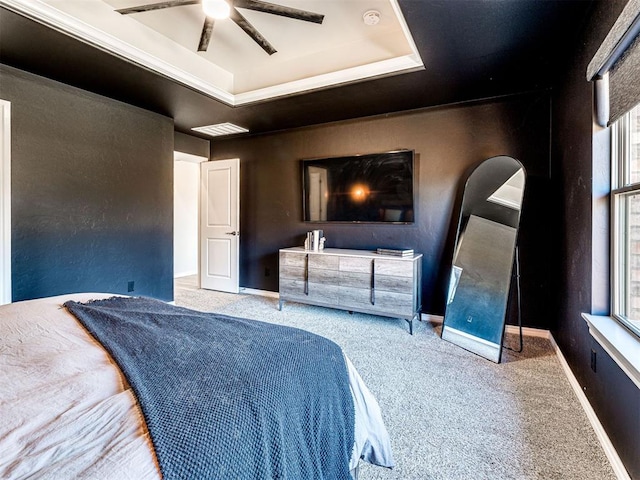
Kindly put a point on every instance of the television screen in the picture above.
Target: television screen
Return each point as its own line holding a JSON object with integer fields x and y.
{"x": 364, "y": 188}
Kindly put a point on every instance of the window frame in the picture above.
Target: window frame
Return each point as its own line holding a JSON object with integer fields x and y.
{"x": 621, "y": 190}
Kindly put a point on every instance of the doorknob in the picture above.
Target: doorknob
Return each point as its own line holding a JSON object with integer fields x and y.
{"x": 232, "y": 233}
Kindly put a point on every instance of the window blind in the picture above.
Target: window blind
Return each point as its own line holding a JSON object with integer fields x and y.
{"x": 619, "y": 56}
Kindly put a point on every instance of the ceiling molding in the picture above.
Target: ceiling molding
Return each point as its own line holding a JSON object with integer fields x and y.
{"x": 44, "y": 13}
{"x": 393, "y": 66}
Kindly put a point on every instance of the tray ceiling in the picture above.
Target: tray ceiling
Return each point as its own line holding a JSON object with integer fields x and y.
{"x": 234, "y": 69}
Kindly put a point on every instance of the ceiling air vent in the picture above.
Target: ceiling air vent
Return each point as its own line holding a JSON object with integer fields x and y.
{"x": 220, "y": 129}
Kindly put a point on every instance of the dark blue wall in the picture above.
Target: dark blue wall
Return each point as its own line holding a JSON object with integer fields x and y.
{"x": 448, "y": 142}
{"x": 92, "y": 190}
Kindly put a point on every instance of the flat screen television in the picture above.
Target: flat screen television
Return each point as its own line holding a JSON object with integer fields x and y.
{"x": 375, "y": 188}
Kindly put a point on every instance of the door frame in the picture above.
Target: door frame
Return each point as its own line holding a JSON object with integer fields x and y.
{"x": 5, "y": 203}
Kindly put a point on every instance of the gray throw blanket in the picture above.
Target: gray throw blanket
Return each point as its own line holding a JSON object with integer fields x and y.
{"x": 229, "y": 398}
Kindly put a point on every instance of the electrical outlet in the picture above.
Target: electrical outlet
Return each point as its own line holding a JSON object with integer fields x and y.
{"x": 593, "y": 360}
{"x": 131, "y": 286}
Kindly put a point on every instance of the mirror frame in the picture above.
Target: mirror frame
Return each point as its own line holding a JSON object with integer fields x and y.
{"x": 483, "y": 257}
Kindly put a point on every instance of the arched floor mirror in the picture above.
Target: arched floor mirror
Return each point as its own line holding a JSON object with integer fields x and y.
{"x": 484, "y": 256}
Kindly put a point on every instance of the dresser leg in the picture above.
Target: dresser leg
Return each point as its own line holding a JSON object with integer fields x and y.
{"x": 417, "y": 315}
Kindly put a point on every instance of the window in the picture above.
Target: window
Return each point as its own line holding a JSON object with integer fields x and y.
{"x": 626, "y": 219}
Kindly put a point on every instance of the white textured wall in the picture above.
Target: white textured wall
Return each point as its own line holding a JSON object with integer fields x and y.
{"x": 185, "y": 218}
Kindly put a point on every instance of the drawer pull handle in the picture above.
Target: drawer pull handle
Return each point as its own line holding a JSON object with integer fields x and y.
{"x": 373, "y": 282}
{"x": 306, "y": 274}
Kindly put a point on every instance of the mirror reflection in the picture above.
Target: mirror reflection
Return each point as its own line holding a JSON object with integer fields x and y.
{"x": 483, "y": 257}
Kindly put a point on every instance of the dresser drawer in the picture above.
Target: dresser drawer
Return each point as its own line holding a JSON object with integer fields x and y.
{"x": 396, "y": 268}
{"x": 355, "y": 280}
{"x": 356, "y": 298}
{"x": 356, "y": 264}
{"x": 390, "y": 283}
{"x": 317, "y": 275}
{"x": 293, "y": 259}
{"x": 397, "y": 304}
{"x": 294, "y": 273}
{"x": 292, "y": 288}
{"x": 325, "y": 262}
{"x": 323, "y": 293}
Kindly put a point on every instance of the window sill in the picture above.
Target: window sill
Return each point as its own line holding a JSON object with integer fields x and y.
{"x": 618, "y": 342}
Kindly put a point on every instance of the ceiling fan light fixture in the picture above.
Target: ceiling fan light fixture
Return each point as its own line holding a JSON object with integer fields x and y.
{"x": 217, "y": 9}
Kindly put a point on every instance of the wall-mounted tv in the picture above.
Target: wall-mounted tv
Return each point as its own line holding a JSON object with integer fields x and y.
{"x": 375, "y": 187}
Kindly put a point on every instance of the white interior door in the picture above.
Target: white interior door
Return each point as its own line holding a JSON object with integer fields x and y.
{"x": 220, "y": 225}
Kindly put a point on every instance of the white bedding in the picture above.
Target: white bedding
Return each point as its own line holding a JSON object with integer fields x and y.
{"x": 66, "y": 411}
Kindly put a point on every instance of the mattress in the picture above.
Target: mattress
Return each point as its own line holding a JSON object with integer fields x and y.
{"x": 67, "y": 411}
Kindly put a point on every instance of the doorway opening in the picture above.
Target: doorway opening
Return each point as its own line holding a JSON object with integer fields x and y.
{"x": 186, "y": 213}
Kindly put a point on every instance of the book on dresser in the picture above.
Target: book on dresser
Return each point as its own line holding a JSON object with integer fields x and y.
{"x": 398, "y": 252}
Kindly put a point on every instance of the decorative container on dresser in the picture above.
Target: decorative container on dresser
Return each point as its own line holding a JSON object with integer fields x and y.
{"x": 353, "y": 280}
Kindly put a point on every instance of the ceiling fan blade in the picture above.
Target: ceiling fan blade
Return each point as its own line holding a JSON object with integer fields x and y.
{"x": 157, "y": 6}
{"x": 283, "y": 11}
{"x": 249, "y": 29}
{"x": 205, "y": 36}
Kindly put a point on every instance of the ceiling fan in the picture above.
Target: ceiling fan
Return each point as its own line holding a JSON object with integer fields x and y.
{"x": 219, "y": 9}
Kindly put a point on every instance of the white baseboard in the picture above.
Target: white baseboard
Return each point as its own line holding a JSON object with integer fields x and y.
{"x": 429, "y": 317}
{"x": 184, "y": 274}
{"x": 603, "y": 438}
{"x": 526, "y": 331}
{"x": 262, "y": 293}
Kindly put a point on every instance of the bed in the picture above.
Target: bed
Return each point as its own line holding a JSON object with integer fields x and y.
{"x": 69, "y": 411}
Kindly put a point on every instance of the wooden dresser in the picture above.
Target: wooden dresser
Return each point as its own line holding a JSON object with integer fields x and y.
{"x": 353, "y": 280}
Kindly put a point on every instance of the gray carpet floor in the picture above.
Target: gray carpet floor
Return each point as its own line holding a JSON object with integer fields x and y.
{"x": 450, "y": 414}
